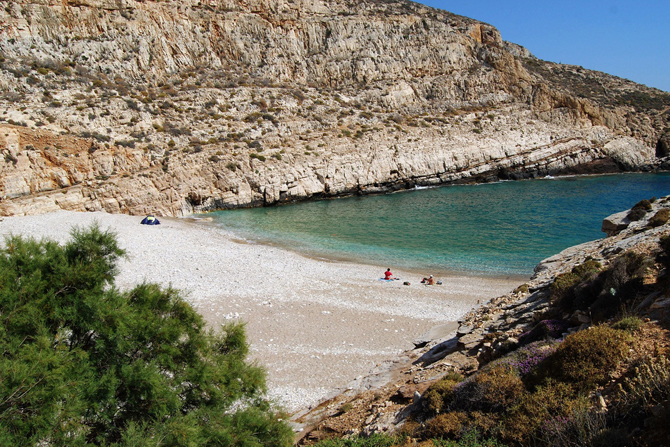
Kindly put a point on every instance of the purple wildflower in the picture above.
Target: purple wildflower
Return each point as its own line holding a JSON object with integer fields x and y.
{"x": 525, "y": 359}
{"x": 556, "y": 425}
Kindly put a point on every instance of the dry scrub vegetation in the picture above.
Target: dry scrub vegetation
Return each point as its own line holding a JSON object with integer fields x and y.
{"x": 608, "y": 385}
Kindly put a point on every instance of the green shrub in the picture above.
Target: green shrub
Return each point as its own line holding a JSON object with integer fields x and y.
{"x": 585, "y": 358}
{"x": 469, "y": 439}
{"x": 604, "y": 292}
{"x": 460, "y": 425}
{"x": 440, "y": 393}
{"x": 569, "y": 286}
{"x": 523, "y": 288}
{"x": 630, "y": 324}
{"x": 257, "y": 156}
{"x": 586, "y": 268}
{"x": 588, "y": 427}
{"x": 526, "y": 417}
{"x": 84, "y": 363}
{"x": 620, "y": 286}
{"x": 491, "y": 390}
{"x": 346, "y": 408}
{"x": 660, "y": 218}
{"x": 256, "y": 144}
{"x": 562, "y": 284}
{"x": 447, "y": 425}
{"x": 646, "y": 385}
{"x": 636, "y": 214}
{"x": 376, "y": 440}
{"x": 643, "y": 205}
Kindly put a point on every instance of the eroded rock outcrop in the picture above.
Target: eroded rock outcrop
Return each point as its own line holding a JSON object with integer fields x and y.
{"x": 181, "y": 107}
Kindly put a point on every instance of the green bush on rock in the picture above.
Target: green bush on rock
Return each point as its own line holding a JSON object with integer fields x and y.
{"x": 660, "y": 218}
{"x": 586, "y": 358}
{"x": 84, "y": 363}
{"x": 439, "y": 395}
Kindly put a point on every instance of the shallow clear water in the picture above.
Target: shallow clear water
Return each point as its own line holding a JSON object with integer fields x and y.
{"x": 500, "y": 228}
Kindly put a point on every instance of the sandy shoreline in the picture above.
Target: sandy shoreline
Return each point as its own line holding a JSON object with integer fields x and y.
{"x": 315, "y": 325}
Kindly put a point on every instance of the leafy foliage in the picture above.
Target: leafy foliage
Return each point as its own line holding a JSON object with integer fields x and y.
{"x": 492, "y": 390}
{"x": 643, "y": 204}
{"x": 586, "y": 358}
{"x": 533, "y": 412}
{"x": 605, "y": 292}
{"x": 631, "y": 324}
{"x": 563, "y": 287}
{"x": 524, "y": 359}
{"x": 660, "y": 218}
{"x": 440, "y": 394}
{"x": 376, "y": 440}
{"x": 84, "y": 363}
{"x": 542, "y": 393}
{"x": 636, "y": 214}
{"x": 470, "y": 439}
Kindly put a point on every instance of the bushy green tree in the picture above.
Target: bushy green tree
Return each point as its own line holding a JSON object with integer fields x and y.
{"x": 84, "y": 363}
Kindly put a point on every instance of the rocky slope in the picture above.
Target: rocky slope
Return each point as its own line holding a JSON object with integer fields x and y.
{"x": 395, "y": 392}
{"x": 178, "y": 107}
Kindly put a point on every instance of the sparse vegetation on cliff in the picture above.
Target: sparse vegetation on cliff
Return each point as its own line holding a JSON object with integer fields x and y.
{"x": 379, "y": 123}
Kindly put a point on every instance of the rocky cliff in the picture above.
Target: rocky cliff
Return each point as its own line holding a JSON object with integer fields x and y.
{"x": 179, "y": 107}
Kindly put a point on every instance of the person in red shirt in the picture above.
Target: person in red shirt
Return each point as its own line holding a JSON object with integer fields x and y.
{"x": 388, "y": 275}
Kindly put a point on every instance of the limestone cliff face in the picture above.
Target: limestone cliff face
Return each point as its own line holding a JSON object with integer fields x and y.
{"x": 177, "y": 107}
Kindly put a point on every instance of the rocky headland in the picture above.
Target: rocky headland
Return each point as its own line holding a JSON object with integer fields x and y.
{"x": 179, "y": 107}
{"x": 609, "y": 286}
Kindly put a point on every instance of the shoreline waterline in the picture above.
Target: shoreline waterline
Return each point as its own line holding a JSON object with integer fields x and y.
{"x": 496, "y": 229}
{"x": 314, "y": 325}
{"x": 414, "y": 272}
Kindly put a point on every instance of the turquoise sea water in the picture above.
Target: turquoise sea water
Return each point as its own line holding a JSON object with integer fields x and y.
{"x": 499, "y": 229}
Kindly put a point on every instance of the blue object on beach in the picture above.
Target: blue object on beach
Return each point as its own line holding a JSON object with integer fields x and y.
{"x": 150, "y": 220}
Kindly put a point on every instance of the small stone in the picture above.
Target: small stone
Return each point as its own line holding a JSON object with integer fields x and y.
{"x": 615, "y": 223}
{"x": 583, "y": 318}
{"x": 661, "y": 303}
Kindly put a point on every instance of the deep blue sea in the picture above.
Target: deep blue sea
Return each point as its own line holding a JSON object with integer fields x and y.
{"x": 491, "y": 229}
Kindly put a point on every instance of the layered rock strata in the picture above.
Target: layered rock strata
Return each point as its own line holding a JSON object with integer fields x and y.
{"x": 180, "y": 107}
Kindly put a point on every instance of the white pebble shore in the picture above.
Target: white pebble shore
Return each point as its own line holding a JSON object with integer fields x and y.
{"x": 313, "y": 324}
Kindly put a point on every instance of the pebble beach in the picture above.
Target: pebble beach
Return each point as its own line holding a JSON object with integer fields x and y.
{"x": 315, "y": 325}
